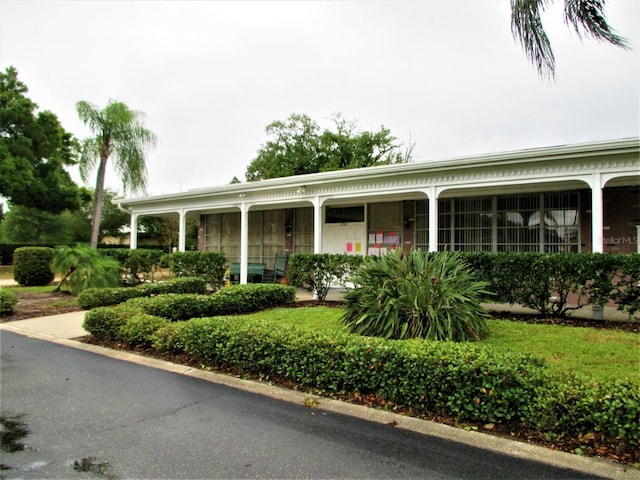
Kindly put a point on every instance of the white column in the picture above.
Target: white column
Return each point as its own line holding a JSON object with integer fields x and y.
{"x": 244, "y": 242}
{"x": 433, "y": 218}
{"x": 133, "y": 235}
{"x": 317, "y": 225}
{"x": 597, "y": 214}
{"x": 182, "y": 227}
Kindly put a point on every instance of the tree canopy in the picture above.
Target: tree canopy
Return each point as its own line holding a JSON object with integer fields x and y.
{"x": 298, "y": 146}
{"x": 34, "y": 149}
{"x": 587, "y": 17}
{"x": 119, "y": 133}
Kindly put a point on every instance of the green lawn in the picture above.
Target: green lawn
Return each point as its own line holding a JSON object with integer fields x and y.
{"x": 600, "y": 354}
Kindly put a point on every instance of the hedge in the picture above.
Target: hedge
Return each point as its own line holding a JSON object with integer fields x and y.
{"x": 544, "y": 281}
{"x": 208, "y": 265}
{"x": 100, "y": 297}
{"x": 230, "y": 300}
{"x": 467, "y": 381}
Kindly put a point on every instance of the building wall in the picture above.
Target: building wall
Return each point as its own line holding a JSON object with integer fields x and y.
{"x": 621, "y": 215}
{"x": 405, "y": 224}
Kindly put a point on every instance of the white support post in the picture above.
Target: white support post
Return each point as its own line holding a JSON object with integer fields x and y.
{"x": 597, "y": 214}
{"x": 244, "y": 242}
{"x": 133, "y": 235}
{"x": 432, "y": 195}
{"x": 182, "y": 227}
{"x": 317, "y": 225}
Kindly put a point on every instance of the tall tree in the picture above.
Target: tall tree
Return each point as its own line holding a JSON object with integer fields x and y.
{"x": 119, "y": 134}
{"x": 34, "y": 151}
{"x": 298, "y": 146}
{"x": 587, "y": 18}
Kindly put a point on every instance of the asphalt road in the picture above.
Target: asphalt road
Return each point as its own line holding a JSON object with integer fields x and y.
{"x": 114, "y": 419}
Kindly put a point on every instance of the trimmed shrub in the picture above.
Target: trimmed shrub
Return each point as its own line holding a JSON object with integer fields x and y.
{"x": 8, "y": 301}
{"x": 101, "y": 297}
{"x": 416, "y": 295}
{"x": 228, "y": 301}
{"x": 208, "y": 265}
{"x": 32, "y": 266}
{"x": 318, "y": 272}
{"x": 139, "y": 329}
{"x": 104, "y": 323}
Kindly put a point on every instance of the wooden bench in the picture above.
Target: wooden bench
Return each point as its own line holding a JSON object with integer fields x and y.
{"x": 255, "y": 272}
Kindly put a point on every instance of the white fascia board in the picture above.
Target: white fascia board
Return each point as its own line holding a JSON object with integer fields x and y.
{"x": 493, "y": 160}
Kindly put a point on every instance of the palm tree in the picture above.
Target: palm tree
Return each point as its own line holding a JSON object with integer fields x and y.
{"x": 587, "y": 18}
{"x": 119, "y": 133}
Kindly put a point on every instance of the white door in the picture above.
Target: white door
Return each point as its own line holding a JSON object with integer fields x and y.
{"x": 349, "y": 238}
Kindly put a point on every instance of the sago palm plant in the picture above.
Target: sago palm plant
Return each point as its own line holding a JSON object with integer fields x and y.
{"x": 82, "y": 267}
{"x": 416, "y": 295}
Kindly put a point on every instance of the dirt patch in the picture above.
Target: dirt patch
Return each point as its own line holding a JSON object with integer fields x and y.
{"x": 41, "y": 304}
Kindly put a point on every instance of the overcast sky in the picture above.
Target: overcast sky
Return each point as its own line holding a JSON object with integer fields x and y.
{"x": 210, "y": 76}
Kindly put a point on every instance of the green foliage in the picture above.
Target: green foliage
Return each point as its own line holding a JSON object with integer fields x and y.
{"x": 208, "y": 265}
{"x": 104, "y": 323}
{"x": 544, "y": 281}
{"x": 586, "y": 17}
{"x": 416, "y": 295}
{"x": 101, "y": 297}
{"x": 8, "y": 301}
{"x": 140, "y": 264}
{"x": 32, "y": 266}
{"x": 228, "y": 301}
{"x": 318, "y": 272}
{"x": 139, "y": 329}
{"x": 297, "y": 146}
{"x": 34, "y": 151}
{"x": 627, "y": 289}
{"x": 83, "y": 267}
{"x": 119, "y": 133}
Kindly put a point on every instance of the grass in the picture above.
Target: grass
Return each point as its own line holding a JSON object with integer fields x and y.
{"x": 601, "y": 355}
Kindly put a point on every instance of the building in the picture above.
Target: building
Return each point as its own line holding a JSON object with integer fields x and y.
{"x": 571, "y": 198}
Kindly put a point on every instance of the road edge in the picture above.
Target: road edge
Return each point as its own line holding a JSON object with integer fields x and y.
{"x": 500, "y": 445}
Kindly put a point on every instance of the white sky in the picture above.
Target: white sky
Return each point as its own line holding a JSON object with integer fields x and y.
{"x": 211, "y": 75}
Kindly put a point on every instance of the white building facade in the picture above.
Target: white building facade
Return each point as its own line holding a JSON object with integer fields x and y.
{"x": 572, "y": 198}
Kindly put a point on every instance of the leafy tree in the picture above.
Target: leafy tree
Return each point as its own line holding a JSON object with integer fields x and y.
{"x": 119, "y": 133}
{"x": 34, "y": 149}
{"x": 33, "y": 226}
{"x": 298, "y": 146}
{"x": 113, "y": 219}
{"x": 587, "y": 18}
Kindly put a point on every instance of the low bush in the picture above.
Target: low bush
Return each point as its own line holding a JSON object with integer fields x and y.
{"x": 105, "y": 323}
{"x": 139, "y": 329}
{"x": 416, "y": 295}
{"x": 32, "y": 266}
{"x": 101, "y": 297}
{"x": 8, "y": 301}
{"x": 318, "y": 272}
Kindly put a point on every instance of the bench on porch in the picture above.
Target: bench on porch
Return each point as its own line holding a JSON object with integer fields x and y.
{"x": 255, "y": 272}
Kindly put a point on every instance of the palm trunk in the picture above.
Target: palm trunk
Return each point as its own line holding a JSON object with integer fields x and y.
{"x": 97, "y": 201}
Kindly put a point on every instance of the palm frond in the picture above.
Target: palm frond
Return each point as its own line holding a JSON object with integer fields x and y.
{"x": 526, "y": 27}
{"x": 588, "y": 15}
